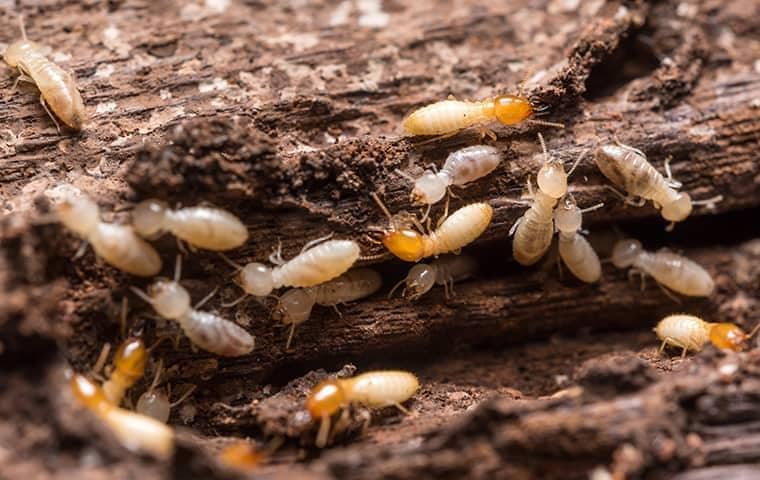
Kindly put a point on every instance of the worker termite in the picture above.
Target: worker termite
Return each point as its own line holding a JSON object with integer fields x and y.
{"x": 205, "y": 329}
{"x": 671, "y": 270}
{"x": 450, "y": 116}
{"x": 689, "y": 332}
{"x": 116, "y": 244}
{"x": 294, "y": 307}
{"x": 57, "y": 87}
{"x": 204, "y": 227}
{"x": 155, "y": 403}
{"x": 372, "y": 389}
{"x": 533, "y": 232}
{"x": 456, "y": 231}
{"x": 628, "y": 168}
{"x": 574, "y": 250}
{"x": 317, "y": 263}
{"x": 461, "y": 167}
{"x": 136, "y": 432}
{"x": 441, "y": 271}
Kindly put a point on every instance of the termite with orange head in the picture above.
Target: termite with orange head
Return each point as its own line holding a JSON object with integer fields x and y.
{"x": 205, "y": 329}
{"x": 242, "y": 456}
{"x": 136, "y": 432}
{"x": 294, "y": 306}
{"x": 574, "y": 250}
{"x": 204, "y": 227}
{"x": 128, "y": 367}
{"x": 689, "y": 332}
{"x": 378, "y": 389}
{"x": 628, "y": 168}
{"x": 116, "y": 244}
{"x": 444, "y": 270}
{"x": 57, "y": 87}
{"x": 456, "y": 231}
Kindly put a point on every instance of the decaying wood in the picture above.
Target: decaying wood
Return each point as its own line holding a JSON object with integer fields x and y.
{"x": 290, "y": 121}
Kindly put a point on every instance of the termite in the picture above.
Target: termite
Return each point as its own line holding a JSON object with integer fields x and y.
{"x": 242, "y": 456}
{"x": 456, "y": 231}
{"x": 372, "y": 389}
{"x": 449, "y": 116}
{"x": 628, "y": 168}
{"x": 155, "y": 403}
{"x": 671, "y": 270}
{"x": 574, "y": 250}
{"x": 689, "y": 332}
{"x": 461, "y": 167}
{"x": 116, "y": 244}
{"x": 128, "y": 367}
{"x": 204, "y": 227}
{"x": 136, "y": 432}
{"x": 444, "y": 270}
{"x": 294, "y": 307}
{"x": 317, "y": 263}
{"x": 533, "y": 232}
{"x": 205, "y": 329}
{"x": 57, "y": 87}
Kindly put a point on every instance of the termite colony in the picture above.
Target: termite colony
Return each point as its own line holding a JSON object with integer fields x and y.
{"x": 321, "y": 274}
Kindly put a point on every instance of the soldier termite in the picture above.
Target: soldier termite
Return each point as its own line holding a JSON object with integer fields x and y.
{"x": 628, "y": 168}
{"x": 533, "y": 232}
{"x": 128, "y": 367}
{"x": 203, "y": 227}
{"x": 205, "y": 329}
{"x": 689, "y": 332}
{"x": 155, "y": 403}
{"x": 295, "y": 305}
{"x": 317, "y": 263}
{"x": 116, "y": 244}
{"x": 456, "y": 231}
{"x": 136, "y": 432}
{"x": 242, "y": 456}
{"x": 441, "y": 271}
{"x": 372, "y": 389}
{"x": 57, "y": 87}
{"x": 671, "y": 270}
{"x": 574, "y": 250}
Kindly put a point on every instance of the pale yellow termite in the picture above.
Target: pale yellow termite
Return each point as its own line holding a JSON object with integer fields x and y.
{"x": 628, "y": 168}
{"x": 205, "y": 329}
{"x": 136, "y": 432}
{"x": 317, "y": 263}
{"x": 574, "y": 250}
{"x": 671, "y": 270}
{"x": 294, "y": 307}
{"x": 378, "y": 389}
{"x": 455, "y": 232}
{"x": 689, "y": 332}
{"x": 154, "y": 402}
{"x": 203, "y": 227}
{"x": 533, "y": 232}
{"x": 57, "y": 87}
{"x": 444, "y": 270}
{"x": 116, "y": 244}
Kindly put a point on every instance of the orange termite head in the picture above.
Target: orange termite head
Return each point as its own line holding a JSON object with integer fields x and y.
{"x": 89, "y": 393}
{"x": 130, "y": 358}
{"x": 728, "y": 336}
{"x": 242, "y": 456}
{"x": 512, "y": 109}
{"x": 325, "y": 399}
{"x": 401, "y": 240}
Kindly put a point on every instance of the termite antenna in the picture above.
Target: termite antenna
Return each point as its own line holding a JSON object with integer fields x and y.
{"x": 141, "y": 294}
{"x": 709, "y": 202}
{"x": 578, "y": 161}
{"x": 178, "y": 268}
{"x": 21, "y": 24}
{"x": 157, "y": 375}
{"x": 543, "y": 147}
{"x": 382, "y": 206}
{"x": 545, "y": 123}
{"x": 390, "y": 294}
{"x": 592, "y": 208}
{"x": 184, "y": 396}
{"x": 754, "y": 331}
{"x": 231, "y": 263}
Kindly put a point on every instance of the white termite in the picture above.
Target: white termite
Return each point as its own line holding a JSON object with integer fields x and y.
{"x": 574, "y": 249}
{"x": 204, "y": 227}
{"x": 671, "y": 270}
{"x": 294, "y": 307}
{"x": 155, "y": 403}
{"x": 444, "y": 270}
{"x": 628, "y": 168}
{"x": 116, "y": 244}
{"x": 207, "y": 330}
{"x": 57, "y": 87}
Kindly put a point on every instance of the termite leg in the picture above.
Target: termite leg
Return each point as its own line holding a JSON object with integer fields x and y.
{"x": 206, "y": 299}
{"x": 102, "y": 358}
{"x": 44, "y": 105}
{"x": 184, "y": 396}
{"x": 683, "y": 352}
{"x": 276, "y": 256}
{"x": 22, "y": 77}
{"x": 402, "y": 408}
{"x": 514, "y": 226}
{"x": 673, "y": 183}
{"x": 667, "y": 292}
{"x": 235, "y": 302}
{"x": 231, "y": 263}
{"x": 337, "y": 310}
{"x": 80, "y": 251}
{"x": 578, "y": 161}
{"x": 427, "y": 212}
{"x": 487, "y": 132}
{"x": 290, "y": 336}
{"x": 316, "y": 241}
{"x": 626, "y": 198}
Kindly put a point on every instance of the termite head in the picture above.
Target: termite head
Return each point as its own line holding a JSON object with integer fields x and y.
{"x": 294, "y": 306}
{"x": 325, "y": 399}
{"x": 130, "y": 358}
{"x": 567, "y": 216}
{"x": 679, "y": 209}
{"x": 148, "y": 218}
{"x": 241, "y": 456}
{"x": 419, "y": 281}
{"x": 18, "y": 50}
{"x": 155, "y": 404}
{"x": 625, "y": 252}
{"x": 512, "y": 109}
{"x": 551, "y": 178}
{"x": 428, "y": 189}
{"x": 256, "y": 279}
{"x": 89, "y": 393}
{"x": 169, "y": 298}
{"x": 399, "y": 238}
{"x": 728, "y": 336}
{"x": 79, "y": 214}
